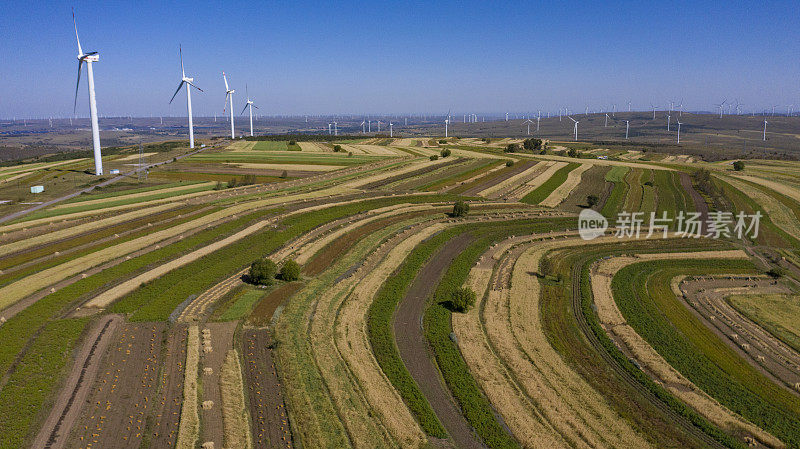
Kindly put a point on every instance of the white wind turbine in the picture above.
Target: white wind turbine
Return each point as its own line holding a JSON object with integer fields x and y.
{"x": 362, "y": 126}
{"x": 89, "y": 58}
{"x": 721, "y": 107}
{"x": 229, "y": 99}
{"x": 446, "y": 122}
{"x": 765, "y": 131}
{"x": 576, "y": 126}
{"x": 529, "y": 121}
{"x": 654, "y": 110}
{"x": 606, "y": 125}
{"x": 188, "y": 82}
{"x": 627, "y": 127}
{"x": 251, "y": 106}
{"x": 669, "y": 118}
{"x": 679, "y": 132}
{"x": 390, "y": 130}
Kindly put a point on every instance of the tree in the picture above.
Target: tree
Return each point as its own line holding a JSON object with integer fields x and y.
{"x": 460, "y": 209}
{"x": 509, "y": 163}
{"x": 592, "y": 200}
{"x": 446, "y": 152}
{"x": 292, "y": 142}
{"x": 337, "y": 148}
{"x": 572, "y": 152}
{"x": 512, "y": 148}
{"x": 434, "y": 157}
{"x": 532, "y": 144}
{"x": 262, "y": 272}
{"x": 738, "y": 165}
{"x": 290, "y": 271}
{"x": 462, "y": 299}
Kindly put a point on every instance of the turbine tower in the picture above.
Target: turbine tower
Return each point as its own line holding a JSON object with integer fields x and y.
{"x": 627, "y": 127}
{"x": 606, "y": 125}
{"x": 576, "y": 126}
{"x": 529, "y": 121}
{"x": 765, "y": 131}
{"x": 251, "y": 106}
{"x": 188, "y": 82}
{"x": 679, "y": 132}
{"x": 89, "y": 58}
{"x": 720, "y": 106}
{"x": 229, "y": 98}
{"x": 362, "y": 127}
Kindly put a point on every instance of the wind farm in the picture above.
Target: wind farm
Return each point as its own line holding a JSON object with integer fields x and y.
{"x": 604, "y": 258}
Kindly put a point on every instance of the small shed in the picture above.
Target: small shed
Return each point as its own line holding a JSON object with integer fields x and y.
{"x": 37, "y": 189}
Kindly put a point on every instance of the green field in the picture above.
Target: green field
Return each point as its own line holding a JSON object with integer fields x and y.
{"x": 544, "y": 190}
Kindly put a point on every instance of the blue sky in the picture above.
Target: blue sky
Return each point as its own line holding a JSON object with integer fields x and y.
{"x": 419, "y": 57}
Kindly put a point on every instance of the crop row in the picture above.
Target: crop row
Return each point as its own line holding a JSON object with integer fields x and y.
{"x": 645, "y": 298}
{"x": 458, "y": 177}
{"x": 617, "y": 176}
{"x": 543, "y": 191}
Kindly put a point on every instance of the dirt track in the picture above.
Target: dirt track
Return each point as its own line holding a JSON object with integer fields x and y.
{"x": 414, "y": 350}
{"x": 55, "y": 430}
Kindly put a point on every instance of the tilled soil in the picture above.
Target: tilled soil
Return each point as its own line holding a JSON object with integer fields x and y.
{"x": 54, "y": 432}
{"x": 165, "y": 417}
{"x": 114, "y": 416}
{"x": 211, "y": 418}
{"x": 413, "y": 346}
{"x": 269, "y": 420}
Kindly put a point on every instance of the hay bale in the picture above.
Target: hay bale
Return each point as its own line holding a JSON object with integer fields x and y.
{"x": 207, "y": 349}
{"x": 208, "y": 405}
{"x": 208, "y": 371}
{"x": 208, "y": 445}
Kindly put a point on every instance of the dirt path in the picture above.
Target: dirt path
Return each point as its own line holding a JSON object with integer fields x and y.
{"x": 414, "y": 350}
{"x": 269, "y": 420}
{"x": 62, "y": 416}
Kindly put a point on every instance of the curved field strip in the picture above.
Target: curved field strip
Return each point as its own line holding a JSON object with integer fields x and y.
{"x": 513, "y": 181}
{"x": 407, "y": 168}
{"x": 477, "y": 178}
{"x": 635, "y": 191}
{"x": 779, "y": 214}
{"x": 479, "y": 167}
{"x": 312, "y": 147}
{"x": 618, "y": 193}
{"x": 156, "y": 194}
{"x": 782, "y": 188}
{"x": 538, "y": 395}
{"x": 288, "y": 167}
{"x": 642, "y": 165}
{"x": 550, "y": 184}
{"x": 615, "y": 324}
{"x": 551, "y": 169}
{"x": 592, "y": 183}
{"x": 376, "y": 149}
{"x": 234, "y": 413}
{"x": 648, "y": 304}
{"x": 777, "y": 314}
{"x": 562, "y": 191}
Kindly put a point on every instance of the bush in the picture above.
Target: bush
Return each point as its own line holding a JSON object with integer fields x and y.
{"x": 509, "y": 163}
{"x": 460, "y": 209}
{"x": 462, "y": 299}
{"x": 532, "y": 144}
{"x": 446, "y": 152}
{"x": 572, "y": 152}
{"x": 292, "y": 142}
{"x": 350, "y": 154}
{"x": 442, "y": 140}
{"x": 738, "y": 165}
{"x": 337, "y": 148}
{"x": 592, "y": 200}
{"x": 435, "y": 157}
{"x": 219, "y": 186}
{"x": 285, "y": 174}
{"x": 290, "y": 271}
{"x": 262, "y": 272}
{"x": 512, "y": 148}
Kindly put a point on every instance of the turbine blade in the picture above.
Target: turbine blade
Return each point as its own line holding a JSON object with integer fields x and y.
{"x": 192, "y": 84}
{"x": 226, "y": 81}
{"x": 75, "y": 24}
{"x": 254, "y": 106}
{"x": 245, "y": 108}
{"x": 176, "y": 91}
{"x": 77, "y": 84}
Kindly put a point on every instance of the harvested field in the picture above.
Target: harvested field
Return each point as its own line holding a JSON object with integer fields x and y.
{"x": 236, "y": 421}
{"x": 54, "y": 432}
{"x": 561, "y": 192}
{"x": 220, "y": 341}
{"x": 288, "y": 167}
{"x": 124, "y": 393}
{"x": 492, "y": 178}
{"x": 165, "y": 417}
{"x": 512, "y": 182}
{"x": 189, "y": 428}
{"x": 593, "y": 182}
{"x": 777, "y": 313}
{"x": 270, "y": 425}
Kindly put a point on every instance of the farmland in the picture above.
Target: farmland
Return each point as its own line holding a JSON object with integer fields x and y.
{"x": 130, "y": 316}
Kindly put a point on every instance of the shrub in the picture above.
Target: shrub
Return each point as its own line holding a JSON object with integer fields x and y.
{"x": 219, "y": 186}
{"x": 462, "y": 299}
{"x": 572, "y": 152}
{"x": 592, "y": 200}
{"x": 285, "y": 174}
{"x": 442, "y": 141}
{"x": 738, "y": 165}
{"x": 262, "y": 272}
{"x": 350, "y": 154}
{"x": 337, "y": 148}
{"x": 290, "y": 271}
{"x": 509, "y": 163}
{"x": 434, "y": 157}
{"x": 532, "y": 144}
{"x": 512, "y": 148}
{"x": 460, "y": 209}
{"x": 292, "y": 142}
{"x": 446, "y": 152}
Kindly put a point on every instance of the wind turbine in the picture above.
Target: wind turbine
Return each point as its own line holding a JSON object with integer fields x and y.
{"x": 789, "y": 109}
{"x": 654, "y": 110}
{"x": 390, "y": 130}
{"x": 446, "y": 122}
{"x": 720, "y": 106}
{"x": 606, "y": 125}
{"x": 529, "y": 121}
{"x": 251, "y": 106}
{"x": 335, "y": 129}
{"x": 362, "y": 126}
{"x": 187, "y": 82}
{"x": 679, "y": 132}
{"x": 629, "y": 106}
{"x": 765, "y": 131}
{"x": 627, "y": 127}
{"x": 576, "y": 126}
{"x": 669, "y": 118}
{"x": 89, "y": 58}
{"x": 229, "y": 98}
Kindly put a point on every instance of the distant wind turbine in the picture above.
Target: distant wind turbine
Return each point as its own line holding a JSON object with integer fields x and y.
{"x": 765, "y": 131}
{"x": 576, "y": 126}
{"x": 529, "y": 121}
{"x": 654, "y": 110}
{"x": 229, "y": 99}
{"x": 187, "y": 82}
{"x": 627, "y": 127}
{"x": 88, "y": 58}
{"x": 679, "y": 132}
{"x": 606, "y": 125}
{"x": 249, "y": 104}
{"x": 391, "y": 134}
{"x": 721, "y": 107}
{"x": 668, "y": 120}
{"x": 362, "y": 126}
